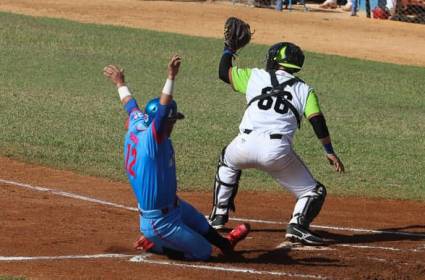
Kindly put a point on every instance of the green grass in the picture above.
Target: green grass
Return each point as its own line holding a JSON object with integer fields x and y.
{"x": 57, "y": 109}
{"x": 7, "y": 277}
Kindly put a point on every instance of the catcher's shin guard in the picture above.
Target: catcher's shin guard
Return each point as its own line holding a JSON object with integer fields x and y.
{"x": 224, "y": 193}
{"x": 308, "y": 206}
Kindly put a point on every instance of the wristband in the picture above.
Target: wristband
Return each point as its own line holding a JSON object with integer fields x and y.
{"x": 228, "y": 50}
{"x": 168, "y": 87}
{"x": 328, "y": 148}
{"x": 124, "y": 92}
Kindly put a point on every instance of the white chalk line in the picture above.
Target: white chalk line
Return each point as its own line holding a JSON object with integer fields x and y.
{"x": 380, "y": 248}
{"x": 98, "y": 201}
{"x": 143, "y": 259}
{"x": 97, "y": 256}
{"x": 300, "y": 247}
{"x": 411, "y": 234}
{"x": 67, "y": 194}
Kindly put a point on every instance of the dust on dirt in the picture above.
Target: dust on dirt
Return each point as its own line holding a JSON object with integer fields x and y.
{"x": 45, "y": 223}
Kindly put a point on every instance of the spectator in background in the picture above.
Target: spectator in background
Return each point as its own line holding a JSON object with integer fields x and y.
{"x": 333, "y": 4}
{"x": 348, "y": 6}
{"x": 329, "y": 4}
{"x": 280, "y": 3}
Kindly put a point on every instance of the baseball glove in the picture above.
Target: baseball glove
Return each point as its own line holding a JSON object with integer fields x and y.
{"x": 237, "y": 33}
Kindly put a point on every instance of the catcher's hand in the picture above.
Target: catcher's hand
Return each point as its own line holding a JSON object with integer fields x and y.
{"x": 237, "y": 33}
{"x": 336, "y": 162}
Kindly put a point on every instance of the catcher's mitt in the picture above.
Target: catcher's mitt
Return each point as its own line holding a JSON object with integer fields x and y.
{"x": 237, "y": 33}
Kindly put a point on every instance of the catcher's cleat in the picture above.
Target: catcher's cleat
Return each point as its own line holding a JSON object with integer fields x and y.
{"x": 219, "y": 221}
{"x": 143, "y": 244}
{"x": 238, "y": 234}
{"x": 297, "y": 233}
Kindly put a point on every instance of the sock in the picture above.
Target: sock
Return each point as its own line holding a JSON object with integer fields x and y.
{"x": 217, "y": 240}
{"x": 173, "y": 254}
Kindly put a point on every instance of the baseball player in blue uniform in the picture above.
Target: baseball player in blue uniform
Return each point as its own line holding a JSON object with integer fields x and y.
{"x": 170, "y": 225}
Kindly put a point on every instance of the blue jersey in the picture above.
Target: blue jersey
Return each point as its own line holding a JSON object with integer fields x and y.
{"x": 149, "y": 159}
{"x": 150, "y": 166}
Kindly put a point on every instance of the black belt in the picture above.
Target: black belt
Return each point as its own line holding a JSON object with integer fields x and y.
{"x": 164, "y": 210}
{"x": 272, "y": 136}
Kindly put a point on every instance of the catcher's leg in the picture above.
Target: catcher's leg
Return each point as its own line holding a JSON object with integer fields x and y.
{"x": 308, "y": 206}
{"x": 310, "y": 198}
{"x": 226, "y": 185}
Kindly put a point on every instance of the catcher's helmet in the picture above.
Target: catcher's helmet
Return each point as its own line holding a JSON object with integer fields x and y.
{"x": 286, "y": 55}
{"x": 152, "y": 107}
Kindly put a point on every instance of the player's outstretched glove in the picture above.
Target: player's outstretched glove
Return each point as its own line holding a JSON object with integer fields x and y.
{"x": 237, "y": 33}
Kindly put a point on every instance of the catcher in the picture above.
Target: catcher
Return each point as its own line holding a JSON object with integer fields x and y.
{"x": 276, "y": 102}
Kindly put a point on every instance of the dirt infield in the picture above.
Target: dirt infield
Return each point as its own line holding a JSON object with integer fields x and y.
{"x": 323, "y": 31}
{"x": 57, "y": 224}
{"x": 43, "y": 216}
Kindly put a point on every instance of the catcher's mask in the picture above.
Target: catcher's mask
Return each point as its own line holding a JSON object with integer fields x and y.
{"x": 286, "y": 55}
{"x": 152, "y": 107}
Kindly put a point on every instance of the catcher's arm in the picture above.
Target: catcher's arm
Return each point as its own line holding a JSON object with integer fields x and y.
{"x": 237, "y": 34}
{"x": 225, "y": 67}
{"x": 318, "y": 122}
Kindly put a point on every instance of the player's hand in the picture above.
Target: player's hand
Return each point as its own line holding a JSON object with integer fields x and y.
{"x": 173, "y": 66}
{"x": 336, "y": 162}
{"x": 115, "y": 74}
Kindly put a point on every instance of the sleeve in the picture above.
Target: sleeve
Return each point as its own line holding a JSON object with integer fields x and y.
{"x": 225, "y": 65}
{"x": 312, "y": 104}
{"x": 133, "y": 111}
{"x": 150, "y": 144}
{"x": 131, "y": 106}
{"x": 159, "y": 122}
{"x": 240, "y": 78}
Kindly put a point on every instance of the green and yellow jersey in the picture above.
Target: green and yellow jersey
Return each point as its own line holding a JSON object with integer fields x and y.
{"x": 270, "y": 114}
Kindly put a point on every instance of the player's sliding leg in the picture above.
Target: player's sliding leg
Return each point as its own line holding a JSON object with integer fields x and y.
{"x": 197, "y": 222}
{"x": 193, "y": 236}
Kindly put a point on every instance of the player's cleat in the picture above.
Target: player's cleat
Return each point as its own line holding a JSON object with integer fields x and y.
{"x": 297, "y": 233}
{"x": 143, "y": 244}
{"x": 219, "y": 221}
{"x": 238, "y": 234}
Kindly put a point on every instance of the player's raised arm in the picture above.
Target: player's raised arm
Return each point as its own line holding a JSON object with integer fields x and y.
{"x": 235, "y": 76}
{"x": 237, "y": 34}
{"x": 116, "y": 75}
{"x": 173, "y": 70}
{"x": 161, "y": 116}
{"x": 225, "y": 66}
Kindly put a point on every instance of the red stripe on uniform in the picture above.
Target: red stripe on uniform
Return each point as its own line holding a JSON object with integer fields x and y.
{"x": 158, "y": 138}
{"x": 134, "y": 138}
